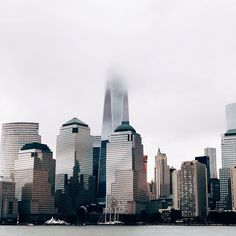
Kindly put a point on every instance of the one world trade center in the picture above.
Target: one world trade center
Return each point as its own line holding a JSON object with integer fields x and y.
{"x": 115, "y": 111}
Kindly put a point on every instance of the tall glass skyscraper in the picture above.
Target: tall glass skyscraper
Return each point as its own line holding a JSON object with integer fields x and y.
{"x": 228, "y": 149}
{"x": 74, "y": 152}
{"x": 14, "y": 137}
{"x": 126, "y": 190}
{"x": 115, "y": 111}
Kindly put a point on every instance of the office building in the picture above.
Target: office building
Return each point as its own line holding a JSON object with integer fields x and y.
{"x": 115, "y": 111}
{"x": 211, "y": 153}
{"x": 228, "y": 149}
{"x": 74, "y": 149}
{"x": 14, "y": 137}
{"x": 192, "y": 189}
{"x": 162, "y": 175}
{"x": 126, "y": 180}
{"x": 34, "y": 178}
{"x": 96, "y": 154}
{"x": 8, "y": 202}
{"x": 233, "y": 186}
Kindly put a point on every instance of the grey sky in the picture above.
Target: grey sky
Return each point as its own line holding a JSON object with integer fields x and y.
{"x": 178, "y": 57}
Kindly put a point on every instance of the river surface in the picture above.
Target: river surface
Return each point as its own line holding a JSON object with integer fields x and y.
{"x": 117, "y": 230}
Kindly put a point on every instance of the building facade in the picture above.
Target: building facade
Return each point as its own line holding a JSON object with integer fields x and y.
{"x": 34, "y": 178}
{"x": 162, "y": 175}
{"x": 211, "y": 153}
{"x": 14, "y": 137}
{"x": 192, "y": 189}
{"x": 126, "y": 190}
{"x": 115, "y": 111}
{"x": 228, "y": 150}
{"x": 8, "y": 202}
{"x": 74, "y": 150}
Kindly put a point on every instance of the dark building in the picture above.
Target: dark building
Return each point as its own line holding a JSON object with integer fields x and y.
{"x": 172, "y": 169}
{"x": 8, "y": 202}
{"x": 205, "y": 160}
{"x": 96, "y": 154}
{"x": 214, "y": 193}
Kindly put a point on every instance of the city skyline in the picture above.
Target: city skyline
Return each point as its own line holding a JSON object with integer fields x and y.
{"x": 171, "y": 57}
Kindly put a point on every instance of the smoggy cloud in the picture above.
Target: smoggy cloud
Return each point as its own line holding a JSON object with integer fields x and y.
{"x": 178, "y": 57}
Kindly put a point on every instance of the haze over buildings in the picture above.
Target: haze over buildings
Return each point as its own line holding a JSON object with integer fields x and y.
{"x": 172, "y": 53}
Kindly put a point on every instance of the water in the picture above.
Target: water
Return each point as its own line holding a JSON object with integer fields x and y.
{"x": 117, "y": 231}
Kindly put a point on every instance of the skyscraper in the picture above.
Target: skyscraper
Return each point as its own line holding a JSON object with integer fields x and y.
{"x": 115, "y": 111}
{"x": 96, "y": 155}
{"x": 228, "y": 149}
{"x": 34, "y": 177}
{"x": 126, "y": 182}
{"x": 233, "y": 186}
{"x": 192, "y": 189}
{"x": 74, "y": 151}
{"x": 211, "y": 153}
{"x": 162, "y": 175}
{"x": 14, "y": 137}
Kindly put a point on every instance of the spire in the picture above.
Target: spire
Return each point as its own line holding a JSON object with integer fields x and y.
{"x": 159, "y": 151}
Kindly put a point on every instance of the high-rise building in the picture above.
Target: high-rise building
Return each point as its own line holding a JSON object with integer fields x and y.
{"x": 192, "y": 189}
{"x": 34, "y": 177}
{"x": 8, "y": 202}
{"x": 14, "y": 137}
{"x": 162, "y": 175}
{"x": 205, "y": 160}
{"x": 233, "y": 186}
{"x": 211, "y": 153}
{"x": 115, "y": 111}
{"x": 175, "y": 193}
{"x": 126, "y": 190}
{"x": 96, "y": 155}
{"x": 74, "y": 150}
{"x": 228, "y": 149}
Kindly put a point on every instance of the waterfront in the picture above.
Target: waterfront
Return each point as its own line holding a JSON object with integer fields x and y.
{"x": 117, "y": 230}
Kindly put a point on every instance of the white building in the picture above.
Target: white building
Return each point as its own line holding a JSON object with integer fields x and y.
{"x": 162, "y": 175}
{"x": 228, "y": 149}
{"x": 74, "y": 149}
{"x": 125, "y": 175}
{"x": 192, "y": 189}
{"x": 14, "y": 137}
{"x": 211, "y": 153}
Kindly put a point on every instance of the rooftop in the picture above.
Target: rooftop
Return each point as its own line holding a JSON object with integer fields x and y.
{"x": 75, "y": 121}
{"x": 39, "y": 146}
{"x": 125, "y": 126}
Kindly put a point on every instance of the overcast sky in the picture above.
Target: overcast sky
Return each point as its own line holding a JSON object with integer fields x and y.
{"x": 178, "y": 57}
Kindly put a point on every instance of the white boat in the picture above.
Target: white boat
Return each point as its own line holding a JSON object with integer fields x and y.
{"x": 53, "y": 221}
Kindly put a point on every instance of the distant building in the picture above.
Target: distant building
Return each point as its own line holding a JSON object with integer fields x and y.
{"x": 214, "y": 197}
{"x": 34, "y": 177}
{"x": 228, "y": 149}
{"x": 233, "y": 186}
{"x": 162, "y": 175}
{"x": 126, "y": 190}
{"x": 192, "y": 188}
{"x": 96, "y": 155}
{"x": 14, "y": 137}
{"x": 8, "y": 202}
{"x": 175, "y": 190}
{"x": 172, "y": 170}
{"x": 211, "y": 153}
{"x": 74, "y": 148}
{"x": 115, "y": 111}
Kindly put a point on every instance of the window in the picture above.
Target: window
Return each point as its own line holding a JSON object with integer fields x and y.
{"x": 10, "y": 207}
{"x": 34, "y": 154}
{"x": 75, "y": 130}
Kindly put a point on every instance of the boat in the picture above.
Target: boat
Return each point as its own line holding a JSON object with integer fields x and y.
{"x": 53, "y": 221}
